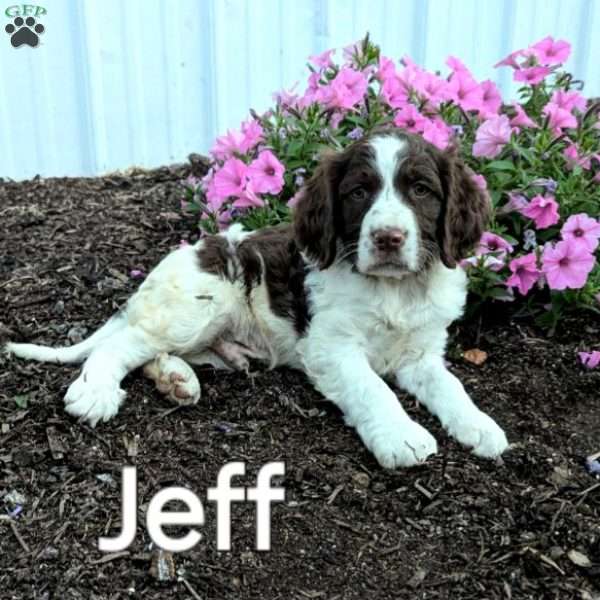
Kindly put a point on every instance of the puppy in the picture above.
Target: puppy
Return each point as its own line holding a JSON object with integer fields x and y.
{"x": 363, "y": 284}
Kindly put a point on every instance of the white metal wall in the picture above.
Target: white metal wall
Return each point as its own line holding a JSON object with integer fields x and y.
{"x": 145, "y": 82}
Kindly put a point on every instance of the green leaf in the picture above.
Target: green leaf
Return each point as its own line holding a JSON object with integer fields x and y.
{"x": 501, "y": 165}
{"x": 21, "y": 400}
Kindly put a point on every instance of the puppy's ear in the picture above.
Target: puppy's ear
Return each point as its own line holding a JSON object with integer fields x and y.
{"x": 466, "y": 212}
{"x": 314, "y": 215}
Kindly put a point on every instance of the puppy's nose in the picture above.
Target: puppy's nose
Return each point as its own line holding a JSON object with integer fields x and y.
{"x": 388, "y": 240}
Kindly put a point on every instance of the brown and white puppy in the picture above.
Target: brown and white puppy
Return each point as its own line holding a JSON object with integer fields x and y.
{"x": 362, "y": 285}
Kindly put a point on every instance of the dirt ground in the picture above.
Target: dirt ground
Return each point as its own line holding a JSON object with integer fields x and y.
{"x": 456, "y": 528}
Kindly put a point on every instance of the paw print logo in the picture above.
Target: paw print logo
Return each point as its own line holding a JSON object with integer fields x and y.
{"x": 24, "y": 32}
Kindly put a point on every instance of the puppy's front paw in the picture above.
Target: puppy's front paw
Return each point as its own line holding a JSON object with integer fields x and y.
{"x": 175, "y": 378}
{"x": 480, "y": 432}
{"x": 399, "y": 443}
{"x": 93, "y": 401}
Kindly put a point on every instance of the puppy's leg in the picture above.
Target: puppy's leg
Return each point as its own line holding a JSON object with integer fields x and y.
{"x": 444, "y": 396}
{"x": 343, "y": 374}
{"x": 174, "y": 377}
{"x": 96, "y": 394}
{"x": 69, "y": 354}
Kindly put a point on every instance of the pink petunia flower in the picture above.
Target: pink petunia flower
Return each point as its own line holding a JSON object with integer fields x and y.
{"x": 230, "y": 179}
{"x": 549, "y": 52}
{"x": 253, "y": 134}
{"x": 543, "y": 210}
{"x": 336, "y": 118}
{"x": 286, "y": 98}
{"x": 436, "y": 132}
{"x": 490, "y": 242}
{"x": 479, "y": 181}
{"x": 433, "y": 89}
{"x": 567, "y": 265}
{"x": 409, "y": 118}
{"x": 525, "y": 273}
{"x": 521, "y": 119}
{"x": 213, "y": 198}
{"x": 516, "y": 203}
{"x": 394, "y": 93}
{"x": 310, "y": 94}
{"x": 510, "y": 60}
{"x": 323, "y": 60}
{"x": 569, "y": 100}
{"x": 347, "y": 88}
{"x": 386, "y": 70}
{"x": 465, "y": 91}
{"x": 457, "y": 65}
{"x": 249, "y": 198}
{"x": 266, "y": 173}
{"x": 590, "y": 359}
{"x": 559, "y": 118}
{"x": 492, "y": 135}
{"x": 532, "y": 75}
{"x": 226, "y": 145}
{"x": 583, "y": 230}
{"x": 571, "y": 153}
{"x": 491, "y": 100}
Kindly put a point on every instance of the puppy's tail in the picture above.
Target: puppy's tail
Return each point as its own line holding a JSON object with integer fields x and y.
{"x": 68, "y": 354}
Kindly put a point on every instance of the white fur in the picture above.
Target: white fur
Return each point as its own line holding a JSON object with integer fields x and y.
{"x": 388, "y": 211}
{"x": 362, "y": 328}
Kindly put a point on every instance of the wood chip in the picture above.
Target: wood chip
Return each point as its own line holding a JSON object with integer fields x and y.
{"x": 361, "y": 479}
{"x": 191, "y": 590}
{"x": 417, "y": 579}
{"x": 429, "y": 495}
{"x": 110, "y": 557}
{"x": 579, "y": 559}
{"x": 475, "y": 356}
{"x": 335, "y": 493}
{"x": 57, "y": 448}
{"x": 163, "y": 565}
{"x": 18, "y": 536}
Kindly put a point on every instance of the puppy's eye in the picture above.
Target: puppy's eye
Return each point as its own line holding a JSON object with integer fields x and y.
{"x": 421, "y": 190}
{"x": 358, "y": 194}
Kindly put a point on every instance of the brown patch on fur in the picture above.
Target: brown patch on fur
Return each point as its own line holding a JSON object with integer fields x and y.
{"x": 325, "y": 215}
{"x": 216, "y": 257}
{"x": 268, "y": 255}
{"x": 467, "y": 212}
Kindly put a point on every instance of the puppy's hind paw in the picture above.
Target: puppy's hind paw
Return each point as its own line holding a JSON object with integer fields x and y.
{"x": 174, "y": 378}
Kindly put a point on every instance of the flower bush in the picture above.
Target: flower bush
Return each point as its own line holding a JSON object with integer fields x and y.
{"x": 538, "y": 158}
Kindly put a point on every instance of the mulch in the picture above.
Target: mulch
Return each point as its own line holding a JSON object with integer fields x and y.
{"x": 526, "y": 526}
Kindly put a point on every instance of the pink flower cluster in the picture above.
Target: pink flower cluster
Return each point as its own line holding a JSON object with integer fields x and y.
{"x": 237, "y": 179}
{"x": 564, "y": 264}
{"x": 533, "y": 65}
{"x": 416, "y": 95}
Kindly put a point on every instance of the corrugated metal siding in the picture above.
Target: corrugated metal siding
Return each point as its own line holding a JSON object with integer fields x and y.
{"x": 145, "y": 82}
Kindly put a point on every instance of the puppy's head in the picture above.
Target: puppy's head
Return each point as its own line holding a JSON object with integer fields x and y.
{"x": 391, "y": 204}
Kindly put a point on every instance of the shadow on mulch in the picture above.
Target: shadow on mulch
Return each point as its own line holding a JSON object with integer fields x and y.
{"x": 458, "y": 527}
